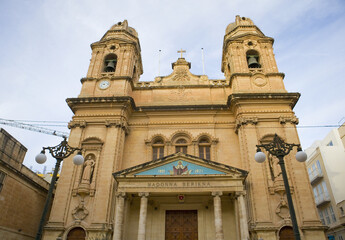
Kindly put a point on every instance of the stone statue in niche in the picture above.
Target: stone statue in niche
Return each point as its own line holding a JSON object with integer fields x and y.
{"x": 275, "y": 170}
{"x": 88, "y": 170}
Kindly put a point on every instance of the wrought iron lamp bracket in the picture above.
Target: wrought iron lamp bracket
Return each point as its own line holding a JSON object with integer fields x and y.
{"x": 278, "y": 147}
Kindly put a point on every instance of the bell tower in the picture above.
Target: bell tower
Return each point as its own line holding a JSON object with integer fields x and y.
{"x": 115, "y": 63}
{"x": 248, "y": 60}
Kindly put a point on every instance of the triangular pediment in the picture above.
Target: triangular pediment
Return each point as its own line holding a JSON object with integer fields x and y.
{"x": 181, "y": 165}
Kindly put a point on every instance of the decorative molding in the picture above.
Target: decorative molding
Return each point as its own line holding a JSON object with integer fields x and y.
{"x": 217, "y": 194}
{"x": 235, "y": 98}
{"x": 76, "y": 123}
{"x": 143, "y": 194}
{"x": 244, "y": 121}
{"x": 181, "y": 75}
{"x": 282, "y": 210}
{"x": 80, "y": 212}
{"x": 181, "y": 133}
{"x": 291, "y": 119}
{"x": 118, "y": 123}
{"x": 120, "y": 194}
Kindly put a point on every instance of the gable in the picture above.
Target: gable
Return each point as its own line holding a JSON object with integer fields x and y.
{"x": 180, "y": 167}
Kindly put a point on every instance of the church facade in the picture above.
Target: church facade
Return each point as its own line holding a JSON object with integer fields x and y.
{"x": 174, "y": 158}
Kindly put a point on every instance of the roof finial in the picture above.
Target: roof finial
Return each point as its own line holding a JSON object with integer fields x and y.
{"x": 181, "y": 51}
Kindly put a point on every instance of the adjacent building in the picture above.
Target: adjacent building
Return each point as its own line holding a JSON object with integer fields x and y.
{"x": 173, "y": 158}
{"x": 326, "y": 169}
{"x": 22, "y": 192}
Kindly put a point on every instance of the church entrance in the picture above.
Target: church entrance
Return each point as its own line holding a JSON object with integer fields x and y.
{"x": 286, "y": 233}
{"x": 181, "y": 225}
{"x": 76, "y": 234}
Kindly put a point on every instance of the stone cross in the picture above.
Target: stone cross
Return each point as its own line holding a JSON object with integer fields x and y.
{"x": 181, "y": 51}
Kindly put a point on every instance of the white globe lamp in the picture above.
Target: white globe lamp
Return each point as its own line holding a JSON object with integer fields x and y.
{"x": 78, "y": 159}
{"x": 41, "y": 158}
{"x": 260, "y": 157}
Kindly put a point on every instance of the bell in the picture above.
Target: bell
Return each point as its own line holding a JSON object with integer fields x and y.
{"x": 110, "y": 66}
{"x": 252, "y": 62}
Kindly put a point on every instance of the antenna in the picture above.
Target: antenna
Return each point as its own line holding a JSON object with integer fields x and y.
{"x": 159, "y": 63}
{"x": 202, "y": 59}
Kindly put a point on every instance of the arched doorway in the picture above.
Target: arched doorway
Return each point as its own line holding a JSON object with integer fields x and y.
{"x": 286, "y": 233}
{"x": 76, "y": 234}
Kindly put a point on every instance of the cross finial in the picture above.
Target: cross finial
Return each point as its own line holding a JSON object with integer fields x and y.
{"x": 181, "y": 51}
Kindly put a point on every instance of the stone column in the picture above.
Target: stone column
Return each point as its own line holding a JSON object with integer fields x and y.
{"x": 142, "y": 216}
{"x": 218, "y": 215}
{"x": 118, "y": 223}
{"x": 243, "y": 216}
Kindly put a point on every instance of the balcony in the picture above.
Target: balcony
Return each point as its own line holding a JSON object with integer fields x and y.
{"x": 315, "y": 176}
{"x": 322, "y": 199}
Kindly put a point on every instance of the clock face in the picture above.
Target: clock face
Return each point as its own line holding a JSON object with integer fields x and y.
{"x": 104, "y": 85}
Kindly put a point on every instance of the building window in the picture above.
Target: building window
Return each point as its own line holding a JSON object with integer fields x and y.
{"x": 157, "y": 149}
{"x": 325, "y": 190}
{"x": 318, "y": 165}
{"x": 325, "y": 212}
{"x": 342, "y": 211}
{"x": 332, "y": 214}
{"x": 205, "y": 149}
{"x": 322, "y": 218}
{"x": 2, "y": 177}
{"x": 110, "y": 62}
{"x": 253, "y": 59}
{"x": 330, "y": 144}
{"x": 181, "y": 145}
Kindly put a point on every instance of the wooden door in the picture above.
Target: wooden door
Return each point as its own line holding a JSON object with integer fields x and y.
{"x": 76, "y": 234}
{"x": 286, "y": 233}
{"x": 181, "y": 225}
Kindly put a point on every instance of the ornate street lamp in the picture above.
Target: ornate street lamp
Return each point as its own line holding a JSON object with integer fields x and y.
{"x": 59, "y": 152}
{"x": 279, "y": 149}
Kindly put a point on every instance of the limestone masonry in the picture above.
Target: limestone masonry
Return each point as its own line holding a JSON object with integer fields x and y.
{"x": 174, "y": 158}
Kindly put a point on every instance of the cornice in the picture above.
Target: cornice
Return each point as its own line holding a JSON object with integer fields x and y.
{"x": 105, "y": 76}
{"x": 72, "y": 102}
{"x": 183, "y": 107}
{"x": 213, "y": 84}
{"x": 249, "y": 74}
{"x": 236, "y": 97}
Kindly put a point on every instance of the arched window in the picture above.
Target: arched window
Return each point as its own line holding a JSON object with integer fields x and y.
{"x": 181, "y": 145}
{"x": 110, "y": 62}
{"x": 157, "y": 149}
{"x": 76, "y": 234}
{"x": 205, "y": 148}
{"x": 253, "y": 59}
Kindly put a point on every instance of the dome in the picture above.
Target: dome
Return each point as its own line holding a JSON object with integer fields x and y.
{"x": 239, "y": 21}
{"x": 124, "y": 26}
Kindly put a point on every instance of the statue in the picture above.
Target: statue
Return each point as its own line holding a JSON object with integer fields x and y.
{"x": 88, "y": 170}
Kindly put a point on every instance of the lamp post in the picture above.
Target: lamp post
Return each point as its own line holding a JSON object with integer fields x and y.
{"x": 279, "y": 149}
{"x": 59, "y": 152}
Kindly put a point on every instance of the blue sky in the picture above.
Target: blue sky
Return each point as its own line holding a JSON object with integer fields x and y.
{"x": 45, "y": 50}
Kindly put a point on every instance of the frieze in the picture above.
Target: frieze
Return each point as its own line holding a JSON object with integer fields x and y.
{"x": 178, "y": 184}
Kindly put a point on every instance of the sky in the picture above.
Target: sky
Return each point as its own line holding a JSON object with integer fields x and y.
{"x": 45, "y": 51}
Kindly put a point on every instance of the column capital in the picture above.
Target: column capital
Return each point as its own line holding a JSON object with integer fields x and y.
{"x": 218, "y": 193}
{"x": 120, "y": 194}
{"x": 143, "y": 194}
{"x": 241, "y": 193}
